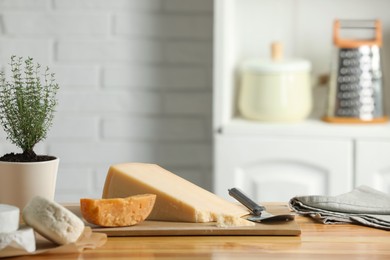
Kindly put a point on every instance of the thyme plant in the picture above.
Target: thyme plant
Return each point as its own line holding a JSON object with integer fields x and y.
{"x": 27, "y": 104}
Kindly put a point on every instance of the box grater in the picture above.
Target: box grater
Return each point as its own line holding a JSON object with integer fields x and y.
{"x": 356, "y": 82}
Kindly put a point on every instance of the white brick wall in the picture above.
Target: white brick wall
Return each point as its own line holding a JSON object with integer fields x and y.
{"x": 135, "y": 80}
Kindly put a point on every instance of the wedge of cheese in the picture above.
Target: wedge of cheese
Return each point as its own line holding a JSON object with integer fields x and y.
{"x": 118, "y": 212}
{"x": 177, "y": 199}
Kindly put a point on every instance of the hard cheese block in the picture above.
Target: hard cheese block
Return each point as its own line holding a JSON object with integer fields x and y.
{"x": 177, "y": 199}
{"x": 118, "y": 212}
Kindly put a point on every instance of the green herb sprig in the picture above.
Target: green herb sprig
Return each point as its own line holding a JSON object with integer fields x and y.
{"x": 27, "y": 104}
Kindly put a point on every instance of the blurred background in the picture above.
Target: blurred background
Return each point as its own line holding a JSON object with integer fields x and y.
{"x": 135, "y": 84}
{"x": 260, "y": 145}
{"x": 156, "y": 81}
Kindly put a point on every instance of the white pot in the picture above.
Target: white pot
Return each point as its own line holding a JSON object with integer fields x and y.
{"x": 275, "y": 90}
{"x": 21, "y": 181}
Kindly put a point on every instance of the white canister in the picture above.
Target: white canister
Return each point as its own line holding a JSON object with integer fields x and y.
{"x": 275, "y": 90}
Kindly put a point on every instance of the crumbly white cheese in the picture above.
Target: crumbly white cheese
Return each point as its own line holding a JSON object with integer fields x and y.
{"x": 233, "y": 221}
{"x": 23, "y": 238}
{"x": 9, "y": 218}
{"x": 53, "y": 221}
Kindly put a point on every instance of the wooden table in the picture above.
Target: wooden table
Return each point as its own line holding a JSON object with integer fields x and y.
{"x": 317, "y": 241}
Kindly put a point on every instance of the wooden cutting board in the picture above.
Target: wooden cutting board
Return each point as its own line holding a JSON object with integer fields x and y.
{"x": 165, "y": 228}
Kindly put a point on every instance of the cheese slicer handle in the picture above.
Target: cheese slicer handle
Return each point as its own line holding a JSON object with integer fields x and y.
{"x": 255, "y": 208}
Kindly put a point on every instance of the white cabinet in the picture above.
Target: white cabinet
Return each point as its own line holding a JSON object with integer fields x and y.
{"x": 373, "y": 164}
{"x": 273, "y": 162}
{"x": 277, "y": 168}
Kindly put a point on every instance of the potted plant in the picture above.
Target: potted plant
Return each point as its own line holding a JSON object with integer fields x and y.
{"x": 27, "y": 106}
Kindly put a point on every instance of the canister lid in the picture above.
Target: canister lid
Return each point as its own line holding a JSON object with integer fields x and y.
{"x": 277, "y": 63}
{"x": 272, "y": 66}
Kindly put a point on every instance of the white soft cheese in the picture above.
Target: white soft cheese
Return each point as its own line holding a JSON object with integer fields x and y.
{"x": 9, "y": 218}
{"x": 53, "y": 221}
{"x": 23, "y": 238}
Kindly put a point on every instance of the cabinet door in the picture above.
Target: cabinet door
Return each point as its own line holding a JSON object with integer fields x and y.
{"x": 373, "y": 164}
{"x": 276, "y": 169}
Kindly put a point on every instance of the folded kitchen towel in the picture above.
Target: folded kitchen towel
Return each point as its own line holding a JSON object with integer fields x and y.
{"x": 363, "y": 205}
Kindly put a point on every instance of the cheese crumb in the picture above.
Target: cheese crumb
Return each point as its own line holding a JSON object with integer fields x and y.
{"x": 225, "y": 221}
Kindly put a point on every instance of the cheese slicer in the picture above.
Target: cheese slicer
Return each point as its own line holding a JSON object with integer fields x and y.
{"x": 259, "y": 212}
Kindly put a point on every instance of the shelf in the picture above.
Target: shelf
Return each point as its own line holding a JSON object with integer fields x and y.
{"x": 246, "y": 28}
{"x": 307, "y": 128}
